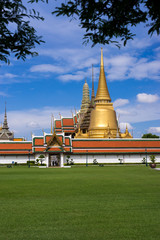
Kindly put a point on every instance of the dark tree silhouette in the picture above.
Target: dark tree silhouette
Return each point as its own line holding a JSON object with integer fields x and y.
{"x": 105, "y": 20}
{"x": 149, "y": 135}
{"x": 16, "y": 34}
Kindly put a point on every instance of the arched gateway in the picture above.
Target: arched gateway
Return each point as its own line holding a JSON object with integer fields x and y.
{"x": 55, "y": 151}
{"x": 54, "y": 160}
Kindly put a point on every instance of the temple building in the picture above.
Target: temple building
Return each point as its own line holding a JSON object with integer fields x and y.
{"x": 5, "y": 134}
{"x": 92, "y": 133}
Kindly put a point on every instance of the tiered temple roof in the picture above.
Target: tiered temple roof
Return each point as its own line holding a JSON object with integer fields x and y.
{"x": 5, "y": 134}
{"x": 59, "y": 143}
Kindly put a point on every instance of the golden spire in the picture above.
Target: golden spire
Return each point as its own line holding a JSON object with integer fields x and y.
{"x": 92, "y": 96}
{"x": 126, "y": 129}
{"x": 51, "y": 124}
{"x": 102, "y": 91}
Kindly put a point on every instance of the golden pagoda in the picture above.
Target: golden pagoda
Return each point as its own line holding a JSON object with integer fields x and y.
{"x": 85, "y": 98}
{"x": 85, "y": 121}
{"x": 102, "y": 116}
{"x": 103, "y": 123}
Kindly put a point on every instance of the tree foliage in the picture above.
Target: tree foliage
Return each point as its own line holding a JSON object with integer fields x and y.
{"x": 16, "y": 34}
{"x": 149, "y": 135}
{"x": 105, "y": 20}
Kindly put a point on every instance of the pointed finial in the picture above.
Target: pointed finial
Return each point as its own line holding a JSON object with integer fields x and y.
{"x": 5, "y": 109}
{"x": 102, "y": 91}
{"x": 126, "y": 129}
{"x": 85, "y": 80}
{"x": 72, "y": 114}
{"x": 92, "y": 79}
{"x": 102, "y": 57}
{"x": 5, "y": 123}
{"x": 53, "y": 128}
{"x": 51, "y": 125}
{"x": 54, "y": 131}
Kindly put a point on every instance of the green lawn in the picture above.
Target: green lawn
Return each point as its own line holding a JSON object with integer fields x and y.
{"x": 88, "y": 203}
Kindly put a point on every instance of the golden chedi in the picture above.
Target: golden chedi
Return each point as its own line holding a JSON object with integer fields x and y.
{"x": 85, "y": 99}
{"x": 103, "y": 122}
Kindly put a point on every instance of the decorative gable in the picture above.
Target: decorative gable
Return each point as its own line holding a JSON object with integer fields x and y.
{"x": 54, "y": 142}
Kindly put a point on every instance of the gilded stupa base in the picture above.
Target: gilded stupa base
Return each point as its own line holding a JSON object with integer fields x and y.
{"x": 102, "y": 133}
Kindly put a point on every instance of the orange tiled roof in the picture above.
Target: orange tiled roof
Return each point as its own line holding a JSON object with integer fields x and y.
{"x": 67, "y": 149}
{"x": 15, "y": 146}
{"x": 68, "y": 130}
{"x": 123, "y": 150}
{"x": 55, "y": 149}
{"x": 38, "y": 141}
{"x": 114, "y": 144}
{"x": 67, "y": 122}
{"x": 58, "y": 123}
{"x": 39, "y": 149}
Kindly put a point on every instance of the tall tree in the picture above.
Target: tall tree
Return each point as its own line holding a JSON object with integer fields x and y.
{"x": 16, "y": 34}
{"x": 105, "y": 20}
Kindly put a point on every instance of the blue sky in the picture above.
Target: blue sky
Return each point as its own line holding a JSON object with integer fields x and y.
{"x": 52, "y": 82}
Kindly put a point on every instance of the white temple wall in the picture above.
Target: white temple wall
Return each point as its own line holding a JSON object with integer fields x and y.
{"x": 81, "y": 158}
{"x": 110, "y": 158}
{"x": 9, "y": 159}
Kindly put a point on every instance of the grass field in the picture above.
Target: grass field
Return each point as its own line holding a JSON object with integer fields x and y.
{"x": 88, "y": 203}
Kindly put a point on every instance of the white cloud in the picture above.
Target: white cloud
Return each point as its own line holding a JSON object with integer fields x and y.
{"x": 47, "y": 68}
{"x": 154, "y": 130}
{"x": 72, "y": 64}
{"x": 33, "y": 125}
{"x": 120, "y": 102}
{"x": 146, "y": 69}
{"x": 124, "y": 66}
{"x": 34, "y": 120}
{"x": 9, "y": 78}
{"x": 147, "y": 98}
{"x": 4, "y": 94}
{"x": 73, "y": 57}
{"x": 9, "y": 75}
{"x": 140, "y": 43}
{"x": 118, "y": 67}
{"x": 122, "y": 112}
{"x": 78, "y": 76}
{"x": 140, "y": 112}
